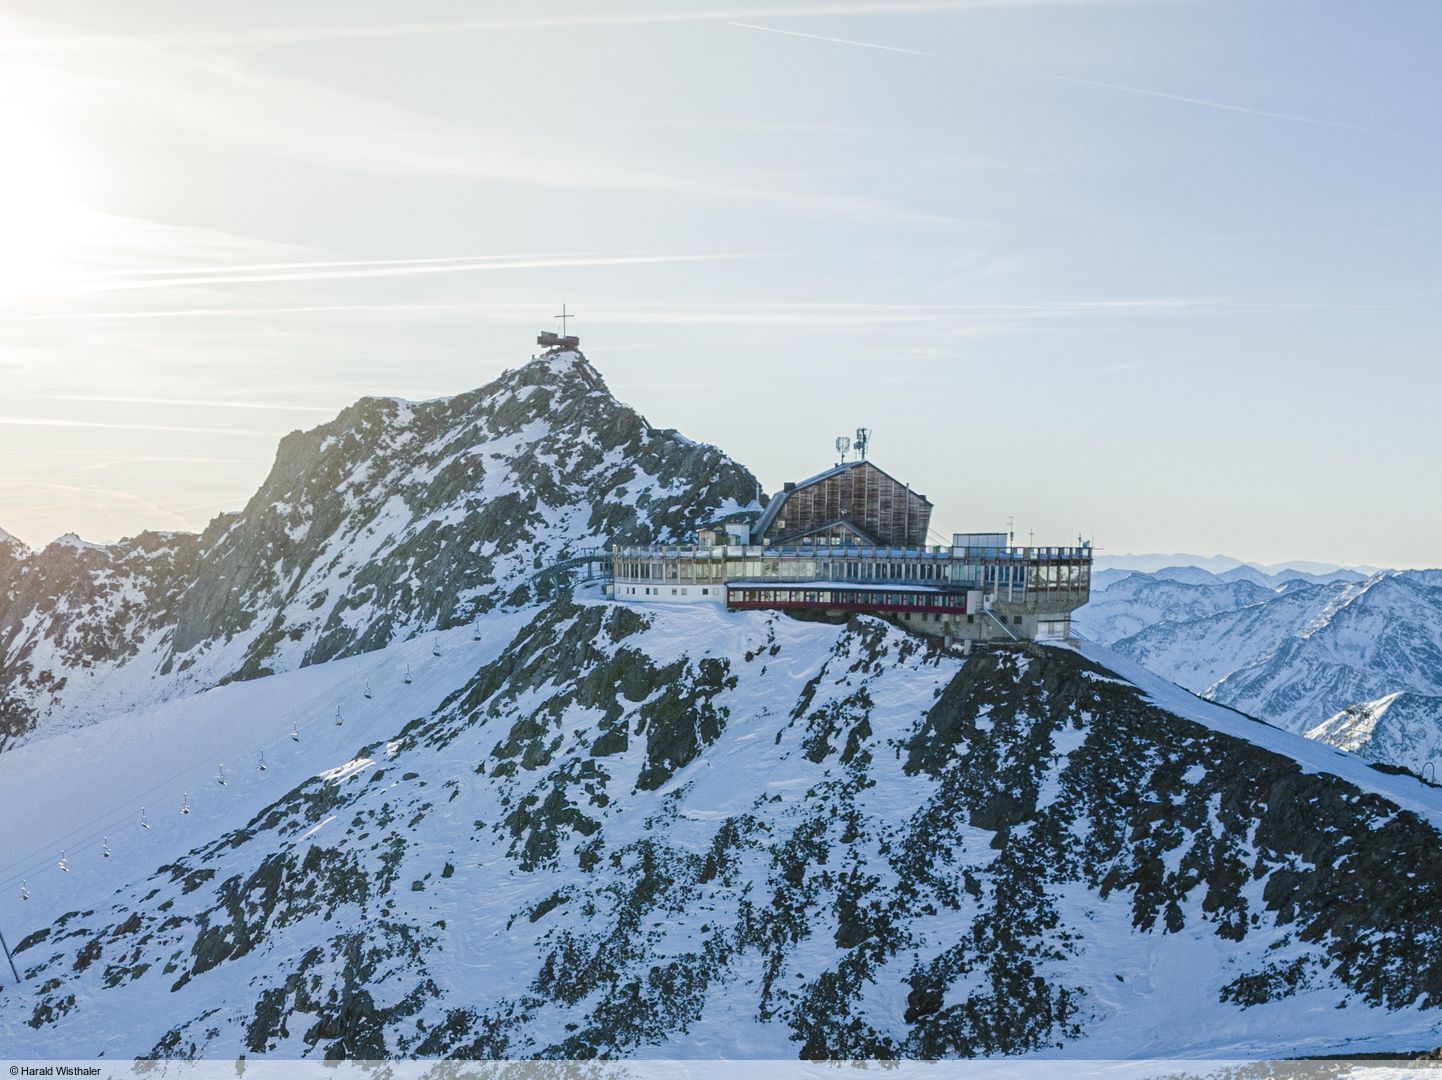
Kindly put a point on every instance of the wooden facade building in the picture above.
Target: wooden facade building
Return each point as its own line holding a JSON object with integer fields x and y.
{"x": 854, "y": 503}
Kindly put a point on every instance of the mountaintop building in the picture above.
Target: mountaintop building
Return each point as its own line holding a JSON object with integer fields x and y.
{"x": 856, "y": 539}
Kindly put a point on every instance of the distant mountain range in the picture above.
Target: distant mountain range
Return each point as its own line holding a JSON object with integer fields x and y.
{"x": 1349, "y": 659}
{"x": 1222, "y": 564}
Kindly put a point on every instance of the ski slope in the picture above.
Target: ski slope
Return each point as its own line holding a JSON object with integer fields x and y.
{"x": 68, "y": 792}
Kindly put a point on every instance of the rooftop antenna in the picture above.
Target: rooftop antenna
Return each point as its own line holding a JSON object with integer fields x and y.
{"x": 563, "y": 316}
{"x": 843, "y": 444}
{"x": 862, "y": 442}
{"x": 1011, "y": 529}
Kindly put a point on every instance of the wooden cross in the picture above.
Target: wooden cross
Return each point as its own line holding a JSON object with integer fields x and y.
{"x": 563, "y": 317}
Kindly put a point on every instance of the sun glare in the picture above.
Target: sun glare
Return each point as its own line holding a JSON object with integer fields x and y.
{"x": 43, "y": 224}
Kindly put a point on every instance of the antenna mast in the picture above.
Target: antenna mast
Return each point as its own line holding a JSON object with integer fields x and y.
{"x": 843, "y": 444}
{"x": 862, "y": 442}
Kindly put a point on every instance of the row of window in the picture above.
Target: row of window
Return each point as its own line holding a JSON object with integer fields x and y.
{"x": 846, "y": 598}
{"x": 992, "y": 577}
{"x": 792, "y": 569}
{"x": 656, "y": 590}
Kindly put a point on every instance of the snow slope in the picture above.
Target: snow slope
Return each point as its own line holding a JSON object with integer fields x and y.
{"x": 678, "y": 832}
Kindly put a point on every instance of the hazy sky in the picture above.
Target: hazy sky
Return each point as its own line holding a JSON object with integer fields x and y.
{"x": 1164, "y": 272}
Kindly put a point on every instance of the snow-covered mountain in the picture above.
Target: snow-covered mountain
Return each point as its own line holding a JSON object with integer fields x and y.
{"x": 603, "y": 829}
{"x": 1197, "y": 650}
{"x": 394, "y": 518}
{"x": 1401, "y": 728}
{"x": 1137, "y": 601}
{"x": 494, "y": 821}
{"x": 1295, "y": 654}
{"x": 1374, "y": 639}
{"x": 1226, "y": 565}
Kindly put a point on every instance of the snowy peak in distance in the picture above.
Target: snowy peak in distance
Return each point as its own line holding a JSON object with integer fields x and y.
{"x": 395, "y": 518}
{"x": 1404, "y": 729}
{"x": 1326, "y": 657}
{"x": 1230, "y": 568}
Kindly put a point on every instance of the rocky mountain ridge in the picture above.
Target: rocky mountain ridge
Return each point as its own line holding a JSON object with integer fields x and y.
{"x": 392, "y": 519}
{"x": 604, "y": 830}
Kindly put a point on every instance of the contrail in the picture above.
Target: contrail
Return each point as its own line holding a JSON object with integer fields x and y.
{"x": 1224, "y": 106}
{"x": 833, "y": 40}
{"x": 180, "y": 271}
{"x": 33, "y": 421}
{"x": 405, "y": 271}
{"x": 188, "y": 402}
{"x": 305, "y": 34}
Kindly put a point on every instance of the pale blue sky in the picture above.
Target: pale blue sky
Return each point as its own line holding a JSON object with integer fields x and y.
{"x": 1164, "y": 272}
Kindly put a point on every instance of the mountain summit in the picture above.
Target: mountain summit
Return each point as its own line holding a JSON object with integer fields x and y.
{"x": 395, "y": 518}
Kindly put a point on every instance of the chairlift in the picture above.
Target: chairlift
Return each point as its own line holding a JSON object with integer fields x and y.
{"x": 262, "y": 766}
{"x": 185, "y": 802}
{"x": 338, "y": 720}
{"x": 63, "y": 864}
{"x": 24, "y": 891}
{"x": 408, "y": 674}
{"x": 436, "y": 649}
{"x": 143, "y": 823}
{"x": 368, "y": 690}
{"x": 220, "y": 775}
{"x": 476, "y": 632}
{"x": 105, "y": 847}
{"x": 294, "y": 733}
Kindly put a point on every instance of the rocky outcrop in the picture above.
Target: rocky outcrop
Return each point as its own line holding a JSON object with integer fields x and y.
{"x": 682, "y": 831}
{"x": 392, "y": 519}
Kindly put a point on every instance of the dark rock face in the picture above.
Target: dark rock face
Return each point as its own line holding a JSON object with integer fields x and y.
{"x": 392, "y": 519}
{"x": 751, "y": 836}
